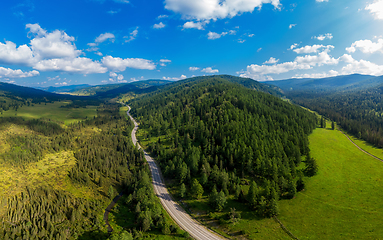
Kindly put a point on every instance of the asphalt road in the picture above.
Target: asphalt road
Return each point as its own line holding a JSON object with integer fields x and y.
{"x": 187, "y": 223}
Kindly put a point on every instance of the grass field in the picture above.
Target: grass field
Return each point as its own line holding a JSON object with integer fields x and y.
{"x": 344, "y": 201}
{"x": 53, "y": 111}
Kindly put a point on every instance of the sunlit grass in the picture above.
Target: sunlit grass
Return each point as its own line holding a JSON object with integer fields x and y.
{"x": 344, "y": 200}
{"x": 53, "y": 111}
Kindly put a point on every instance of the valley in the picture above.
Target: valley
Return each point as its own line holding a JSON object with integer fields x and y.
{"x": 233, "y": 155}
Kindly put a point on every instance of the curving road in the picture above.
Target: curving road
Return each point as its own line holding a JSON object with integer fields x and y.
{"x": 195, "y": 229}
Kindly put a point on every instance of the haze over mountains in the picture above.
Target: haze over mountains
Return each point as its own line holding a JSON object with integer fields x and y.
{"x": 338, "y": 84}
{"x": 344, "y": 83}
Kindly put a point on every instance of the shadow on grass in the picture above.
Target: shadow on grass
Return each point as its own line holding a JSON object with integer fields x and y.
{"x": 94, "y": 235}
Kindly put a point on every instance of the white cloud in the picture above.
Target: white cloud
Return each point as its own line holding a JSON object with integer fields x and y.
{"x": 291, "y": 26}
{"x": 259, "y": 49}
{"x": 361, "y": 66}
{"x": 36, "y": 29}
{"x": 195, "y": 25}
{"x": 174, "y": 78}
{"x": 295, "y": 45}
{"x": 62, "y": 84}
{"x": 271, "y": 61}
{"x": 251, "y": 35}
{"x": 366, "y": 46}
{"x": 331, "y": 73}
{"x": 56, "y": 44}
{"x": 10, "y": 73}
{"x": 376, "y": 9}
{"x": 112, "y": 12}
{"x": 159, "y": 25}
{"x": 113, "y": 77}
{"x": 133, "y": 79}
{"x": 10, "y": 54}
{"x": 257, "y": 71}
{"x": 232, "y": 32}
{"x": 53, "y": 51}
{"x": 214, "y": 9}
{"x": 56, "y": 51}
{"x": 209, "y": 70}
{"x": 214, "y": 35}
{"x": 311, "y": 49}
{"x": 132, "y": 35}
{"x": 322, "y": 58}
{"x": 241, "y": 40}
{"x": 119, "y": 64}
{"x": 162, "y": 16}
{"x": 193, "y": 68}
{"x": 105, "y": 36}
{"x": 322, "y": 37}
{"x": 163, "y": 62}
{"x": 260, "y": 72}
{"x": 121, "y": 1}
{"x": 321, "y": 0}
{"x": 75, "y": 65}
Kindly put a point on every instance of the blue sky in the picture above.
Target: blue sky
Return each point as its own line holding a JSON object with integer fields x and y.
{"x": 57, "y": 43}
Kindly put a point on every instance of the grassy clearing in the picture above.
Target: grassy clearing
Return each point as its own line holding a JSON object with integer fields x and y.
{"x": 10, "y": 129}
{"x": 378, "y": 152}
{"x": 344, "y": 200}
{"x": 53, "y": 111}
{"x": 52, "y": 170}
{"x": 123, "y": 111}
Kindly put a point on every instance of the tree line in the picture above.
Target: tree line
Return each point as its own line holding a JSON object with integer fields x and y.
{"x": 359, "y": 113}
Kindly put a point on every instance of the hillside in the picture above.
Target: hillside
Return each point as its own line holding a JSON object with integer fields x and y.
{"x": 19, "y": 92}
{"x": 65, "y": 89}
{"x": 209, "y": 133}
{"x": 113, "y": 90}
{"x": 344, "y": 83}
{"x": 359, "y": 113}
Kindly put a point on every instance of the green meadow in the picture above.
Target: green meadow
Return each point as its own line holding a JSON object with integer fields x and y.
{"x": 344, "y": 200}
{"x": 53, "y": 111}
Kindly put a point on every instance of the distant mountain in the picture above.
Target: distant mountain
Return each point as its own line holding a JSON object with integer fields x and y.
{"x": 19, "y": 92}
{"x": 344, "y": 83}
{"x": 65, "y": 89}
{"x": 136, "y": 87}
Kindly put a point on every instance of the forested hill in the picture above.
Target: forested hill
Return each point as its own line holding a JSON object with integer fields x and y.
{"x": 15, "y": 91}
{"x": 216, "y": 132}
{"x": 346, "y": 83}
{"x": 113, "y": 90}
{"x": 359, "y": 113}
{"x": 246, "y": 82}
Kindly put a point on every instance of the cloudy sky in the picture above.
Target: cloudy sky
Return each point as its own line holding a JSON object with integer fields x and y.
{"x": 56, "y": 43}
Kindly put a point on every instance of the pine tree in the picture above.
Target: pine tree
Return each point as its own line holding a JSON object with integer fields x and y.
{"x": 111, "y": 192}
{"x": 196, "y": 189}
{"x": 252, "y": 196}
{"x": 182, "y": 190}
{"x": 220, "y": 201}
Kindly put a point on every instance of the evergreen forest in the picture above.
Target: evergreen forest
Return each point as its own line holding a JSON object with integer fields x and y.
{"x": 214, "y": 135}
{"x": 106, "y": 163}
